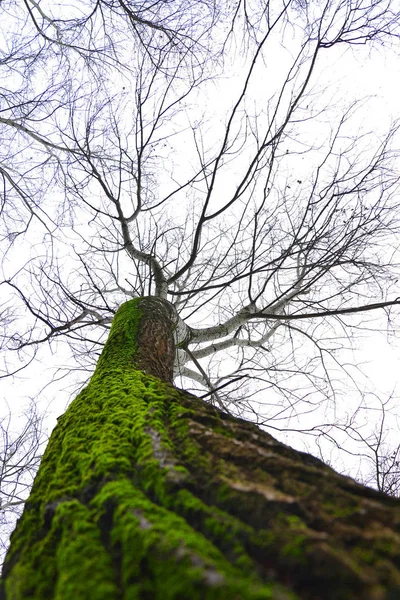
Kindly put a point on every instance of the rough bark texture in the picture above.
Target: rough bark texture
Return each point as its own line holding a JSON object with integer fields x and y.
{"x": 143, "y": 337}
{"x": 146, "y": 492}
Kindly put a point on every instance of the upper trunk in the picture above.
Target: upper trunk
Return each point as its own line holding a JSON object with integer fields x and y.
{"x": 146, "y": 492}
{"x": 142, "y": 337}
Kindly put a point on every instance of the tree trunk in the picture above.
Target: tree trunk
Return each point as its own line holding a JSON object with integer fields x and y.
{"x": 146, "y": 492}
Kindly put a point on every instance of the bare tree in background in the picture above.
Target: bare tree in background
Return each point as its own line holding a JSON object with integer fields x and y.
{"x": 20, "y": 452}
{"x": 167, "y": 151}
{"x": 387, "y": 470}
{"x": 382, "y": 455}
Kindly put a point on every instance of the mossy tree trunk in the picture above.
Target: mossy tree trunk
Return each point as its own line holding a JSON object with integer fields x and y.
{"x": 147, "y": 492}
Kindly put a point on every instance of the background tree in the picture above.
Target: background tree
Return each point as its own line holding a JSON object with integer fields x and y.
{"x": 20, "y": 454}
{"x": 269, "y": 220}
{"x": 382, "y": 455}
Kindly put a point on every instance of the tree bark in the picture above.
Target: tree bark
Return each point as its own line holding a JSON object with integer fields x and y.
{"x": 146, "y": 492}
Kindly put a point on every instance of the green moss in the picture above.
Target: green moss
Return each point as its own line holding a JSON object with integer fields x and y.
{"x": 386, "y": 543}
{"x": 366, "y": 555}
{"x": 341, "y": 507}
{"x": 295, "y": 548}
{"x": 173, "y": 551}
{"x": 121, "y": 345}
{"x": 291, "y": 522}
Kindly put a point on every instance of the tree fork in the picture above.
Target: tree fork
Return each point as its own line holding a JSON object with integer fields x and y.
{"x": 146, "y": 492}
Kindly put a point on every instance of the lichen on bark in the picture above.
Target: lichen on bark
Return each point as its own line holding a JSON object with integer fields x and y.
{"x": 146, "y": 492}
